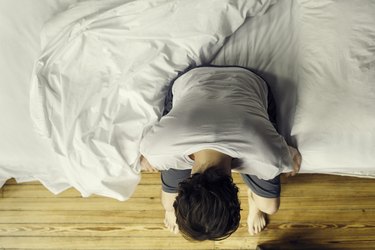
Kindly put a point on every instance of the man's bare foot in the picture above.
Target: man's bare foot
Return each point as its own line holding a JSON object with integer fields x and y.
{"x": 256, "y": 219}
{"x": 170, "y": 221}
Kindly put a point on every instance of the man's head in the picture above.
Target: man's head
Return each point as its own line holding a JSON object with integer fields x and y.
{"x": 207, "y": 206}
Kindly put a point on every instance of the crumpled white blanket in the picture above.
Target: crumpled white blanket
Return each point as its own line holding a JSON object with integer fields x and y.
{"x": 103, "y": 75}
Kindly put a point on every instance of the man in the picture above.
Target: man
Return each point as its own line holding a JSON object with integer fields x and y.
{"x": 222, "y": 119}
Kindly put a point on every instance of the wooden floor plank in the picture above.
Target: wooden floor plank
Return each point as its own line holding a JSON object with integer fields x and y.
{"x": 156, "y": 216}
{"x": 16, "y": 204}
{"x": 38, "y": 191}
{"x": 77, "y": 216}
{"x": 325, "y": 216}
{"x": 146, "y": 178}
{"x": 173, "y": 243}
{"x": 153, "y": 190}
{"x": 304, "y": 203}
{"x": 299, "y": 186}
{"x": 298, "y": 242}
{"x": 154, "y": 178}
{"x": 316, "y": 230}
{"x": 85, "y": 230}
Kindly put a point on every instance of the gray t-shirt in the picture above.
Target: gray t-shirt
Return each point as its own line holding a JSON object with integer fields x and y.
{"x": 219, "y": 108}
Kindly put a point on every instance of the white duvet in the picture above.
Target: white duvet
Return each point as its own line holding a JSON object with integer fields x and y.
{"x": 103, "y": 75}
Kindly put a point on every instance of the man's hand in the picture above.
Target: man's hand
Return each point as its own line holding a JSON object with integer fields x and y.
{"x": 297, "y": 159}
{"x": 146, "y": 166}
{"x": 167, "y": 200}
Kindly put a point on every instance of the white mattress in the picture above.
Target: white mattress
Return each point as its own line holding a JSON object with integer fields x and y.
{"x": 23, "y": 153}
{"x": 319, "y": 58}
{"x": 310, "y": 52}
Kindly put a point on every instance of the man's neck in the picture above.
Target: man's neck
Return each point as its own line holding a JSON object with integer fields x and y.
{"x": 208, "y": 158}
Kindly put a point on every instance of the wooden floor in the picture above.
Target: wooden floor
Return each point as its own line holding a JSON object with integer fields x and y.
{"x": 317, "y": 212}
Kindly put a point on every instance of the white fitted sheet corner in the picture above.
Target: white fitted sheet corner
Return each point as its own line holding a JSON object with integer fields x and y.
{"x": 334, "y": 123}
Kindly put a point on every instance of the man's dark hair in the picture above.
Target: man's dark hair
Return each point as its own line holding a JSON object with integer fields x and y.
{"x": 207, "y": 206}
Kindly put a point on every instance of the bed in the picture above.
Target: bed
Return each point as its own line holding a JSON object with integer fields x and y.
{"x": 77, "y": 97}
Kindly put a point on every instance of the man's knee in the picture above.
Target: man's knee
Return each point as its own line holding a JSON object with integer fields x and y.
{"x": 267, "y": 205}
{"x": 271, "y": 208}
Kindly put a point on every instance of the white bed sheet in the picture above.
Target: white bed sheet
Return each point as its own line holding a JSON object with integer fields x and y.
{"x": 319, "y": 58}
